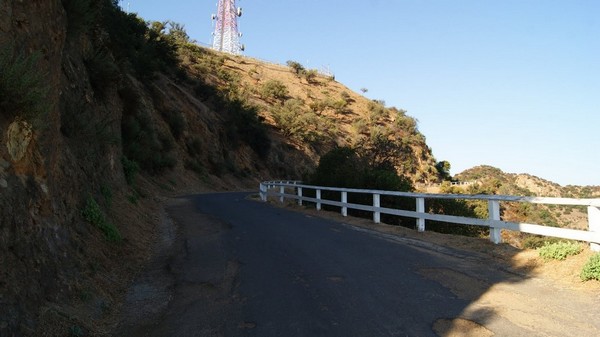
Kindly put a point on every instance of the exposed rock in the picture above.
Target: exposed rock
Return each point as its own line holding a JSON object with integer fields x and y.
{"x": 18, "y": 138}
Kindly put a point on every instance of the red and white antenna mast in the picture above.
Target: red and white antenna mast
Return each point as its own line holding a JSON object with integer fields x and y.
{"x": 226, "y": 37}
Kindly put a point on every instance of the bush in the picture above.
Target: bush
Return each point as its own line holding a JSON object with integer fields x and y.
{"x": 141, "y": 141}
{"x": 591, "y": 270}
{"x": 559, "y": 250}
{"x": 246, "y": 125}
{"x": 146, "y": 49}
{"x": 22, "y": 89}
{"x": 130, "y": 169}
{"x": 299, "y": 124}
{"x": 310, "y": 75}
{"x": 296, "y": 67}
{"x": 93, "y": 214}
{"x": 273, "y": 89}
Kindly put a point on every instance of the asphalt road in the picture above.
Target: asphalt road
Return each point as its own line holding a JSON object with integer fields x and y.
{"x": 239, "y": 267}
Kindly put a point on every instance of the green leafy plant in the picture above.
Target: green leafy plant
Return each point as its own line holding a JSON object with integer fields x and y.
{"x": 559, "y": 250}
{"x": 94, "y": 215}
{"x": 591, "y": 270}
{"x": 296, "y": 67}
{"x": 273, "y": 89}
{"x": 130, "y": 169}
{"x": 310, "y": 75}
{"x": 22, "y": 89}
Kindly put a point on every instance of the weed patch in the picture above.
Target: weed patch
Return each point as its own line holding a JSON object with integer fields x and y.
{"x": 559, "y": 250}
{"x": 591, "y": 270}
{"x": 93, "y": 214}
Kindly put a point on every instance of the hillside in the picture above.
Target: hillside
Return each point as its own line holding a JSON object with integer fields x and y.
{"x": 103, "y": 114}
{"x": 491, "y": 180}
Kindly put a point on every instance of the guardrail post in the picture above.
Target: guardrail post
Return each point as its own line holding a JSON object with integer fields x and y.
{"x": 282, "y": 192}
{"x": 421, "y": 209}
{"x": 299, "y": 196}
{"x": 594, "y": 225}
{"x": 376, "y": 205}
{"x": 318, "y": 198}
{"x": 263, "y": 192}
{"x": 344, "y": 201}
{"x": 494, "y": 214}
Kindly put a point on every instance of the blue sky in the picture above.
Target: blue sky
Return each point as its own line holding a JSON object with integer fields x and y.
{"x": 514, "y": 83}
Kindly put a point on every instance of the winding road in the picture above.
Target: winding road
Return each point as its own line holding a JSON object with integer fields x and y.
{"x": 239, "y": 267}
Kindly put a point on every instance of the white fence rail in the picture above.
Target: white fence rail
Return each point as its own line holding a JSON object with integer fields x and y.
{"x": 592, "y": 235}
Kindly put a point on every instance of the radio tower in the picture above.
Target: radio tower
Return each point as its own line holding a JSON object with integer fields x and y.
{"x": 226, "y": 37}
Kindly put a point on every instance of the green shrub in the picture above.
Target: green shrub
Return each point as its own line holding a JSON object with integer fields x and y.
{"x": 297, "y": 123}
{"x": 273, "y": 89}
{"x": 22, "y": 89}
{"x": 296, "y": 67}
{"x": 93, "y": 214}
{"x": 130, "y": 169}
{"x": 591, "y": 270}
{"x": 559, "y": 250}
{"x": 143, "y": 144}
{"x": 310, "y": 75}
{"x": 244, "y": 124}
{"x": 146, "y": 49}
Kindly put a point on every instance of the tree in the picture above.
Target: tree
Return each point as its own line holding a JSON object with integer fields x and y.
{"x": 177, "y": 33}
{"x": 296, "y": 67}
{"x": 443, "y": 168}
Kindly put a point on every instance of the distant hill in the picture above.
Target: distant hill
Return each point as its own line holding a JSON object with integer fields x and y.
{"x": 491, "y": 180}
{"x": 498, "y": 182}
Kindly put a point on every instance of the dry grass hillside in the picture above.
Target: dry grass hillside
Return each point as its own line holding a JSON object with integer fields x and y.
{"x": 311, "y": 112}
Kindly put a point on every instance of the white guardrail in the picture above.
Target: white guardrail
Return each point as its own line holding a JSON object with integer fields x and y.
{"x": 592, "y": 235}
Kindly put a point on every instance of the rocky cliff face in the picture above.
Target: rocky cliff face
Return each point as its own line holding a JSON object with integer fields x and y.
{"x": 60, "y": 146}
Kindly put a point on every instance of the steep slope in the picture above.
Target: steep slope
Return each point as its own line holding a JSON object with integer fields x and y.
{"x": 100, "y": 113}
{"x": 310, "y": 112}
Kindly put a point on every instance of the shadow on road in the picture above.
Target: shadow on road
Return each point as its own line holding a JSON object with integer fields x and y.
{"x": 238, "y": 267}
